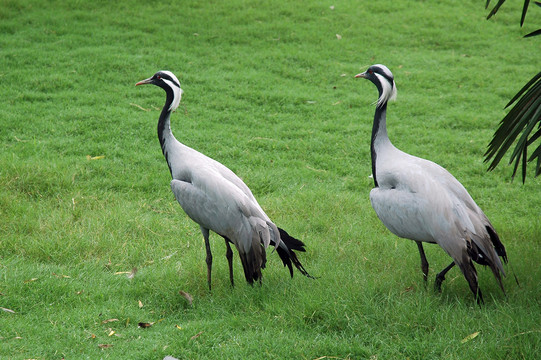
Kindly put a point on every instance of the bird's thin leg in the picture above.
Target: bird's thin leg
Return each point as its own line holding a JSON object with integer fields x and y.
{"x": 424, "y": 262}
{"x": 229, "y": 256}
{"x": 209, "y": 255}
{"x": 441, "y": 276}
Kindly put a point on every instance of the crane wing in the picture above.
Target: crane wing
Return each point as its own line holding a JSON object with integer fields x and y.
{"x": 420, "y": 200}
{"x": 207, "y": 169}
{"x": 219, "y": 205}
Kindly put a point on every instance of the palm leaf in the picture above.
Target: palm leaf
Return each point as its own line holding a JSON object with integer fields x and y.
{"x": 522, "y": 17}
{"x": 533, "y": 33}
{"x": 524, "y": 88}
{"x": 495, "y": 8}
{"x": 522, "y": 118}
{"x": 524, "y": 11}
{"x": 510, "y": 127}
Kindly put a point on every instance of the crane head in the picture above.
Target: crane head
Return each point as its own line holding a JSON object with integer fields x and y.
{"x": 383, "y": 78}
{"x": 167, "y": 81}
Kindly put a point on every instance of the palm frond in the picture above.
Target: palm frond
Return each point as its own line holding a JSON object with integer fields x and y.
{"x": 495, "y": 8}
{"x": 522, "y": 17}
{"x": 522, "y": 118}
{"x": 524, "y": 11}
{"x": 533, "y": 33}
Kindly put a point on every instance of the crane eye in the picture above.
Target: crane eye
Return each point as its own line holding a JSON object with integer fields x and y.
{"x": 370, "y": 71}
{"x": 158, "y": 77}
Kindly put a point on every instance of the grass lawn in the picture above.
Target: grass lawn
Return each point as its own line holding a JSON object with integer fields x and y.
{"x": 270, "y": 93}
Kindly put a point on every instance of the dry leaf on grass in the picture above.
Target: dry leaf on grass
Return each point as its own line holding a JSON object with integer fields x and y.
{"x": 139, "y": 107}
{"x": 61, "y": 276}
{"x": 108, "y": 321}
{"x": 408, "y": 289}
{"x": 196, "y": 335}
{"x": 186, "y": 296}
{"x": 30, "y": 280}
{"x": 140, "y": 304}
{"x": 7, "y": 310}
{"x": 105, "y": 346}
{"x": 129, "y": 274}
{"x": 99, "y": 157}
{"x": 469, "y": 337}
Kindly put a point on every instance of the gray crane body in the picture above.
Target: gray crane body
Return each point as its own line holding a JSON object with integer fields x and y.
{"x": 217, "y": 199}
{"x": 419, "y": 200}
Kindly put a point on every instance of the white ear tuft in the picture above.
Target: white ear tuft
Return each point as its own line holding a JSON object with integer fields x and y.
{"x": 177, "y": 95}
{"x": 388, "y": 92}
{"x": 174, "y": 84}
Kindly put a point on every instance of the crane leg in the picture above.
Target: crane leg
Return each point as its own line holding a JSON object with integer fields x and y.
{"x": 209, "y": 255}
{"x": 424, "y": 262}
{"x": 229, "y": 256}
{"x": 441, "y": 276}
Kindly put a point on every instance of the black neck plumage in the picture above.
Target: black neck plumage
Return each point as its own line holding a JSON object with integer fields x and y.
{"x": 164, "y": 125}
{"x": 379, "y": 117}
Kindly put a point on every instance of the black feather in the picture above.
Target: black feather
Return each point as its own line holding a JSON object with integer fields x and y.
{"x": 500, "y": 249}
{"x": 288, "y": 255}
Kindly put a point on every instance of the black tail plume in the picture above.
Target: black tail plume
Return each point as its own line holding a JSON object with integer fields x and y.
{"x": 252, "y": 272}
{"x": 498, "y": 246}
{"x": 287, "y": 254}
{"x": 469, "y": 272}
{"x": 252, "y": 261}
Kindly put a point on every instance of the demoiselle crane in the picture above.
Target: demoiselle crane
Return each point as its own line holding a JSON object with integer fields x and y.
{"x": 218, "y": 200}
{"x": 419, "y": 200}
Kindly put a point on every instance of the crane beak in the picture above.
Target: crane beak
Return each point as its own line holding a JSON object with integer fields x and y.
{"x": 146, "y": 81}
{"x": 361, "y": 75}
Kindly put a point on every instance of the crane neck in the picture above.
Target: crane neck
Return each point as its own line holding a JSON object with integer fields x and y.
{"x": 165, "y": 135}
{"x": 380, "y": 139}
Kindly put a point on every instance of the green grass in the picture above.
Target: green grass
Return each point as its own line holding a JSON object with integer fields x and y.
{"x": 269, "y": 92}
